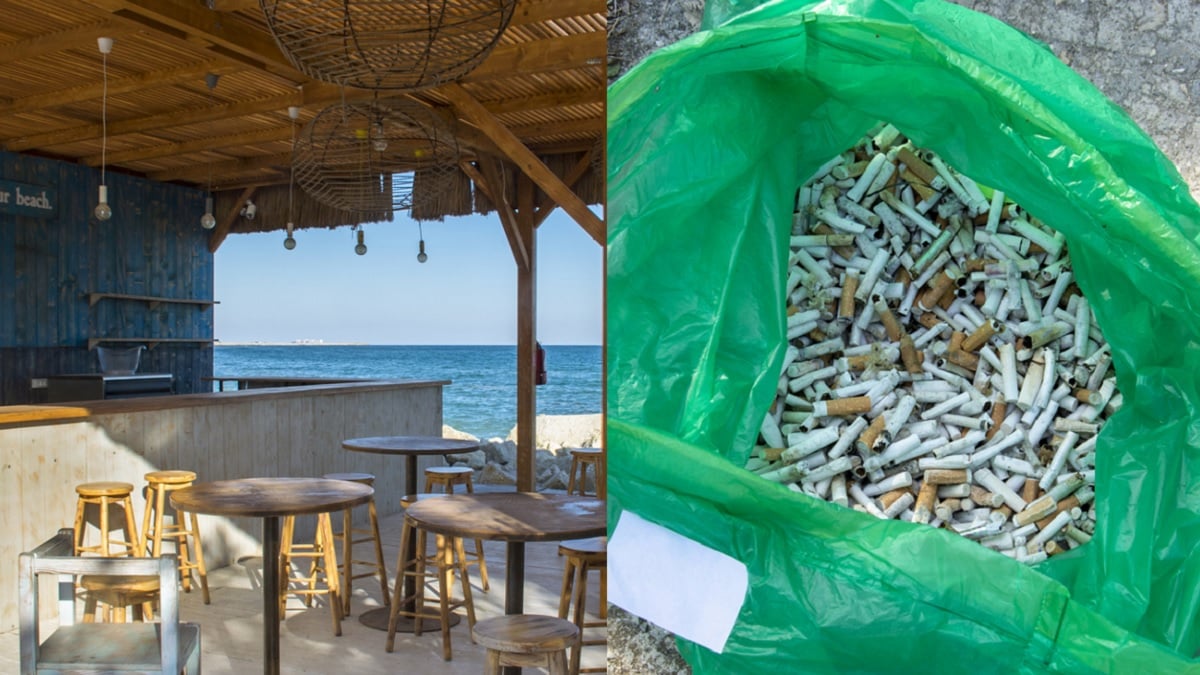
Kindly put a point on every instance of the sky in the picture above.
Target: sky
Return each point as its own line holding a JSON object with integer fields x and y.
{"x": 466, "y": 293}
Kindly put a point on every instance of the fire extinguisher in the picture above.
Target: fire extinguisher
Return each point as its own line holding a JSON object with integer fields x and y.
{"x": 541, "y": 363}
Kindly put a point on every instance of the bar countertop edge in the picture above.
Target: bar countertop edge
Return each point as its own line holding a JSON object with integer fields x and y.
{"x": 24, "y": 415}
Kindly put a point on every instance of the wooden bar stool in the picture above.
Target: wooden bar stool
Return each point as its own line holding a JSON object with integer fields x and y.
{"x": 449, "y": 557}
{"x": 105, "y": 496}
{"x": 185, "y": 536}
{"x": 116, "y": 593}
{"x": 371, "y": 534}
{"x": 583, "y": 556}
{"x": 581, "y": 459}
{"x": 447, "y": 477}
{"x": 525, "y": 640}
{"x": 324, "y": 558}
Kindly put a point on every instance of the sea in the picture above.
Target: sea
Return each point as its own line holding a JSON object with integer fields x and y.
{"x": 482, "y": 399}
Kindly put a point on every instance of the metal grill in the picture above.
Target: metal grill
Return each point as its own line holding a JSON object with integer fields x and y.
{"x": 368, "y": 158}
{"x": 387, "y": 44}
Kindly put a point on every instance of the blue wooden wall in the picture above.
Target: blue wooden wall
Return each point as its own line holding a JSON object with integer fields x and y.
{"x": 153, "y": 245}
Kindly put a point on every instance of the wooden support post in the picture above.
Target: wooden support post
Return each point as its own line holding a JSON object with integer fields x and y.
{"x": 526, "y": 339}
{"x": 226, "y": 224}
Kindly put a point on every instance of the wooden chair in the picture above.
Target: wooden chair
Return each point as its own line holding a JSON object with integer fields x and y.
{"x": 525, "y": 640}
{"x": 370, "y": 534}
{"x": 165, "y": 648}
{"x": 583, "y": 556}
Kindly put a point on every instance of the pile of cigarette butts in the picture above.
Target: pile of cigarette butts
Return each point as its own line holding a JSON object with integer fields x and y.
{"x": 941, "y": 366}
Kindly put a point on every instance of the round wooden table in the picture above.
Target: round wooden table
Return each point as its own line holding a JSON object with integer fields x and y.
{"x": 515, "y": 518}
{"x": 269, "y": 499}
{"x": 409, "y": 447}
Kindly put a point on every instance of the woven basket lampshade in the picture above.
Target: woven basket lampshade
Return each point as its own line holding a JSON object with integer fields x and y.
{"x": 368, "y": 158}
{"x": 387, "y": 44}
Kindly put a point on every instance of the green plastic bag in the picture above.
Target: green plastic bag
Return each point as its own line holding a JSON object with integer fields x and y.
{"x": 708, "y": 140}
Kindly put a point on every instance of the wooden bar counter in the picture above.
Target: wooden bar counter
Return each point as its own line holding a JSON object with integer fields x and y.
{"x": 45, "y": 451}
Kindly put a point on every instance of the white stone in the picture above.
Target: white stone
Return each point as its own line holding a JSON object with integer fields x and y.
{"x": 476, "y": 460}
{"x": 494, "y": 474}
{"x": 555, "y": 432}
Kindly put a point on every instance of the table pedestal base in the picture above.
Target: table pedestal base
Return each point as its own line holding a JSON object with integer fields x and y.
{"x": 378, "y": 619}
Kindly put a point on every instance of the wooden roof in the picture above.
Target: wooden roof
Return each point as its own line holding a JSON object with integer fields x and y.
{"x": 544, "y": 83}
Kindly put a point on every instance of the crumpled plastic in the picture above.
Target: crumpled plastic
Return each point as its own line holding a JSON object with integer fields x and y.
{"x": 708, "y": 140}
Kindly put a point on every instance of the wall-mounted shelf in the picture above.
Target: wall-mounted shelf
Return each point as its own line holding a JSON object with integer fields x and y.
{"x": 151, "y": 300}
{"x": 150, "y": 343}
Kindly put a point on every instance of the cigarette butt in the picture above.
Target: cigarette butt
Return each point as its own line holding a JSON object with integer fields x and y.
{"x": 928, "y": 320}
{"x": 890, "y": 324}
{"x": 1065, "y": 505}
{"x": 963, "y": 359}
{"x": 978, "y": 264}
{"x": 918, "y": 184}
{"x": 854, "y": 405}
{"x": 772, "y": 454}
{"x": 923, "y": 510}
{"x": 956, "y": 340}
{"x": 909, "y": 355}
{"x": 946, "y": 300}
{"x": 846, "y": 305}
{"x": 1088, "y": 396}
{"x": 846, "y": 252}
{"x": 886, "y": 499}
{"x": 925, "y": 173}
{"x": 945, "y": 476}
{"x": 1029, "y": 492}
{"x": 999, "y": 410}
{"x": 981, "y": 335}
{"x": 1051, "y": 547}
{"x": 870, "y": 437}
{"x": 984, "y": 498}
{"x": 941, "y": 284}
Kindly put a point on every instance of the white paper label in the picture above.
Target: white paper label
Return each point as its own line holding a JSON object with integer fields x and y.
{"x": 683, "y": 586}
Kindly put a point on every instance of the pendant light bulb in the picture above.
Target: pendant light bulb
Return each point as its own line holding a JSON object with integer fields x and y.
{"x": 361, "y": 248}
{"x": 290, "y": 242}
{"x": 380, "y": 143}
{"x": 103, "y": 211}
{"x": 421, "y": 257}
{"x": 207, "y": 221}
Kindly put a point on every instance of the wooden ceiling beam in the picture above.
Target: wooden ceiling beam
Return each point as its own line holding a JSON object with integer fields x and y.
{"x": 232, "y": 5}
{"x": 545, "y": 206}
{"x": 588, "y": 125}
{"x": 537, "y": 11}
{"x": 542, "y": 56}
{"x": 474, "y": 112}
{"x": 50, "y": 43}
{"x": 312, "y": 94}
{"x": 200, "y": 172}
{"x": 116, "y": 87}
{"x": 282, "y": 133}
{"x": 493, "y": 187}
{"x": 216, "y": 30}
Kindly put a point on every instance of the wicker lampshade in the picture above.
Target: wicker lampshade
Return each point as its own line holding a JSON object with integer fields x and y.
{"x": 387, "y": 44}
{"x": 364, "y": 157}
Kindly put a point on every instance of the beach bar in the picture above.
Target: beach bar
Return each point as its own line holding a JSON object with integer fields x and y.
{"x": 138, "y": 135}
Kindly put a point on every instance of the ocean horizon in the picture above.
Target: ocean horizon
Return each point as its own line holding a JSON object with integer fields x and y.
{"x": 481, "y": 399}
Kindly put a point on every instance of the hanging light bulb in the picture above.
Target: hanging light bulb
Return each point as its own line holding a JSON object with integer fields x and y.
{"x": 207, "y": 221}
{"x": 380, "y": 143}
{"x": 421, "y": 257}
{"x": 290, "y": 242}
{"x": 103, "y": 211}
{"x": 361, "y": 248}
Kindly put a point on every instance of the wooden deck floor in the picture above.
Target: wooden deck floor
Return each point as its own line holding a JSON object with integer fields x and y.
{"x": 231, "y": 627}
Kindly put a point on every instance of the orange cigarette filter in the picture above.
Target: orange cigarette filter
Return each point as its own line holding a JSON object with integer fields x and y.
{"x": 981, "y": 335}
{"x": 846, "y": 305}
{"x": 999, "y": 410}
{"x": 909, "y": 355}
{"x": 866, "y": 441}
{"x": 945, "y": 476}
